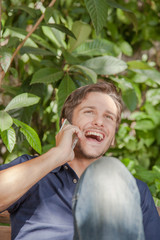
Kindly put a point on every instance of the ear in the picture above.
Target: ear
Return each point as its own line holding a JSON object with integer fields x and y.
{"x": 62, "y": 120}
{"x": 113, "y": 142}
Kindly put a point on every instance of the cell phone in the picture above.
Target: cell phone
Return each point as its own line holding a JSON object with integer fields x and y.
{"x": 75, "y": 138}
{"x": 65, "y": 122}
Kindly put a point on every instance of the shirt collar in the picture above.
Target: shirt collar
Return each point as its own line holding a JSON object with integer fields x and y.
{"x": 56, "y": 169}
{"x": 59, "y": 168}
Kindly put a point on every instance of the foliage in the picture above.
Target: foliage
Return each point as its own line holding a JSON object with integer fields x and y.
{"x": 78, "y": 43}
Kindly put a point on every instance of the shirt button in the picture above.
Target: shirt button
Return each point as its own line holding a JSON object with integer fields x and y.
{"x": 74, "y": 180}
{"x": 66, "y": 167}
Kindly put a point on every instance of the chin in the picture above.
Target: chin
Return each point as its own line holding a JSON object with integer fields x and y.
{"x": 88, "y": 151}
{"x": 82, "y": 153}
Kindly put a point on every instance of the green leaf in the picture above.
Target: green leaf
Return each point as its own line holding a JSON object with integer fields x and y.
{"x": 151, "y": 110}
{"x": 5, "y": 58}
{"x": 21, "y": 34}
{"x": 105, "y": 65}
{"x": 70, "y": 58}
{"x": 30, "y": 134}
{"x": 98, "y": 11}
{"x": 11, "y": 90}
{"x": 148, "y": 137}
{"x": 47, "y": 75}
{"x": 13, "y": 42}
{"x": 113, "y": 30}
{"x": 152, "y": 114}
{"x": 55, "y": 36}
{"x": 90, "y": 74}
{"x": 126, "y": 48}
{"x": 35, "y": 51}
{"x": 144, "y": 125}
{"x": 49, "y": 34}
{"x": 14, "y": 72}
{"x": 130, "y": 99}
{"x": 48, "y": 13}
{"x": 81, "y": 31}
{"x": 17, "y": 30}
{"x": 61, "y": 28}
{"x": 95, "y": 47}
{"x": 65, "y": 88}
{"x": 42, "y": 42}
{"x": 139, "y": 78}
{"x": 127, "y": 18}
{"x": 114, "y": 4}
{"x": 157, "y": 183}
{"x": 5, "y": 121}
{"x": 131, "y": 145}
{"x": 136, "y": 64}
{"x": 138, "y": 92}
{"x": 31, "y": 11}
{"x": 152, "y": 74}
{"x": 122, "y": 17}
{"x": 153, "y": 96}
{"x": 146, "y": 175}
{"x": 139, "y": 116}
{"x": 127, "y": 89}
{"x": 9, "y": 138}
{"x": 22, "y": 100}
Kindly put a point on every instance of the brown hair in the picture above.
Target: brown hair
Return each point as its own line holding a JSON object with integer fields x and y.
{"x": 77, "y": 96}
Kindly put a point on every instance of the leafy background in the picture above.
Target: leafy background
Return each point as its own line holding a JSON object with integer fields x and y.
{"x": 49, "y": 48}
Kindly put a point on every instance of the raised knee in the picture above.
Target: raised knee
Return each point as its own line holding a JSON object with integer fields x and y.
{"x": 106, "y": 165}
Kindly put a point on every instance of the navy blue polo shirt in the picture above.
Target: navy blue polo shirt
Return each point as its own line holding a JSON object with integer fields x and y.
{"x": 45, "y": 211}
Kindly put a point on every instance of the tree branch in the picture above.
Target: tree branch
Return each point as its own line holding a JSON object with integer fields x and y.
{"x": 2, "y": 74}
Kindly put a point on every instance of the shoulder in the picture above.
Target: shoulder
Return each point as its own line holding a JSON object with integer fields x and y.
{"x": 141, "y": 186}
{"x": 151, "y": 220}
{"x": 146, "y": 197}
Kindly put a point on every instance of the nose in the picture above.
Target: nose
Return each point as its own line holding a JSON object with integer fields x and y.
{"x": 98, "y": 121}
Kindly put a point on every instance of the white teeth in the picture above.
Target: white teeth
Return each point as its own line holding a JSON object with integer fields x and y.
{"x": 95, "y": 134}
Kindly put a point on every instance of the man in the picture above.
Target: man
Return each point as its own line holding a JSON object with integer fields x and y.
{"x": 38, "y": 191}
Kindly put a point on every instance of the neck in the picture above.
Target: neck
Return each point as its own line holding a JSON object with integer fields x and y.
{"x": 79, "y": 165}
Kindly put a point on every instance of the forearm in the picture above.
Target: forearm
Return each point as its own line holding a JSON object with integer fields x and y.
{"x": 17, "y": 180}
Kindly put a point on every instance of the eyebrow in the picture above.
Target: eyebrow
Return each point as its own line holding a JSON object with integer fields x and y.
{"x": 107, "y": 111}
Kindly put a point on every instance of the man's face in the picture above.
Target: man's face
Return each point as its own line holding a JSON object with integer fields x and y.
{"x": 96, "y": 117}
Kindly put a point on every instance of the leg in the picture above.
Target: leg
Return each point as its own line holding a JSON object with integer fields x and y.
{"x": 106, "y": 204}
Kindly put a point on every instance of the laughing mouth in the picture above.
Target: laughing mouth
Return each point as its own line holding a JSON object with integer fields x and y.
{"x": 95, "y": 135}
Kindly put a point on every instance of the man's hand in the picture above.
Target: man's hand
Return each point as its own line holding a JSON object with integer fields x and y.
{"x": 66, "y": 140}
